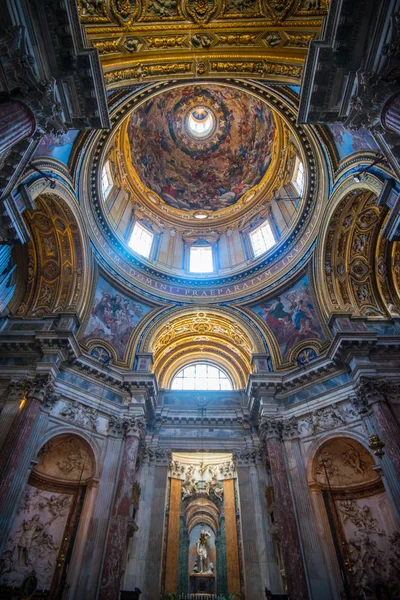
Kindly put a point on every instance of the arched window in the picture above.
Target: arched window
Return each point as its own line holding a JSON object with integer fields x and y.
{"x": 201, "y": 376}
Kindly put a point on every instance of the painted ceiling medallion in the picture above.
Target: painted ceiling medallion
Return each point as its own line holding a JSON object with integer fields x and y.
{"x": 201, "y": 148}
{"x": 201, "y": 11}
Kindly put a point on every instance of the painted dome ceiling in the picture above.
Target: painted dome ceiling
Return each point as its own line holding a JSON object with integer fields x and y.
{"x": 201, "y": 148}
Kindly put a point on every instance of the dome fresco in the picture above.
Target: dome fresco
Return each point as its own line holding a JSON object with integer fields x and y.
{"x": 201, "y": 147}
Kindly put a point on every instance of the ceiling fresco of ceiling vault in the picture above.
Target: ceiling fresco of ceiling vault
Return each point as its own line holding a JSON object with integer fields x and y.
{"x": 209, "y": 168}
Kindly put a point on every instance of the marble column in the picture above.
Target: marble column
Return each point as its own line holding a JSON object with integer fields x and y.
{"x": 37, "y": 392}
{"x": 133, "y": 428}
{"x": 373, "y": 393}
{"x": 285, "y": 511}
{"x": 391, "y": 114}
{"x": 16, "y": 123}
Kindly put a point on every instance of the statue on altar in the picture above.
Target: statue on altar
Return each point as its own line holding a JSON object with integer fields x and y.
{"x": 202, "y": 564}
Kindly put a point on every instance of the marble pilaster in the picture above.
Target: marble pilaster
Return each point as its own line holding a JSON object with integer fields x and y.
{"x": 319, "y": 579}
{"x": 153, "y": 566}
{"x": 259, "y": 560}
{"x": 116, "y": 548}
{"x": 90, "y": 569}
{"x": 285, "y": 512}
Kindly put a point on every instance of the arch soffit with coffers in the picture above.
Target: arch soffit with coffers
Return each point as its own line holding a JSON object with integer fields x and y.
{"x": 201, "y": 314}
{"x": 181, "y": 39}
{"x": 60, "y": 262}
{"x": 181, "y": 335}
{"x": 363, "y": 270}
{"x": 293, "y": 249}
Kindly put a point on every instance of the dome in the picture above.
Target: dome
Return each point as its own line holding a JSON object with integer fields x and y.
{"x": 201, "y": 148}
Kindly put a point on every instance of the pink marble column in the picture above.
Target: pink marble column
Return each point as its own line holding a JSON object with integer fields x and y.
{"x": 372, "y": 394}
{"x": 390, "y": 431}
{"x": 116, "y": 549}
{"x": 285, "y": 514}
{"x": 391, "y": 114}
{"x": 16, "y": 123}
{"x": 31, "y": 401}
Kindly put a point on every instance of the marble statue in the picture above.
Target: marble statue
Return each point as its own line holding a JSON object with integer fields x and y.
{"x": 202, "y": 565}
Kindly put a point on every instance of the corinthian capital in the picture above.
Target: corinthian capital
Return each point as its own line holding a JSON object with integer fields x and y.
{"x": 370, "y": 391}
{"x": 127, "y": 425}
{"x": 271, "y": 428}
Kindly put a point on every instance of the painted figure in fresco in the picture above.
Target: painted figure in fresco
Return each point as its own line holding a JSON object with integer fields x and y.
{"x": 113, "y": 317}
{"x": 202, "y": 565}
{"x": 208, "y": 174}
{"x": 292, "y": 317}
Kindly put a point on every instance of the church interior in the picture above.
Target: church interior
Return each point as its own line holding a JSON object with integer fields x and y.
{"x": 200, "y": 299}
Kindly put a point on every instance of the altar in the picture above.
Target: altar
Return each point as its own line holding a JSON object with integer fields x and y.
{"x": 202, "y": 583}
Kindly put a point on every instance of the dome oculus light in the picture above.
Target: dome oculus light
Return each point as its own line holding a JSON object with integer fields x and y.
{"x": 200, "y": 121}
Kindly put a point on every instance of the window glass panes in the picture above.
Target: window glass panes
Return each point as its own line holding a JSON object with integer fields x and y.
{"x": 201, "y": 376}
{"x": 141, "y": 240}
{"x": 262, "y": 239}
{"x": 106, "y": 180}
{"x": 298, "y": 176}
{"x": 201, "y": 260}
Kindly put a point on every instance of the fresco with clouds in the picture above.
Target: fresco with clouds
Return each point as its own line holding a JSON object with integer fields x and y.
{"x": 113, "y": 317}
{"x": 292, "y": 316}
{"x": 57, "y": 146}
{"x": 348, "y": 141}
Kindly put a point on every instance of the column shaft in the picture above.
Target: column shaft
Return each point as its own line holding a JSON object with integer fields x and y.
{"x": 16, "y": 123}
{"x": 286, "y": 519}
{"x": 390, "y": 431}
{"x": 15, "y": 442}
{"x": 115, "y": 556}
{"x": 391, "y": 114}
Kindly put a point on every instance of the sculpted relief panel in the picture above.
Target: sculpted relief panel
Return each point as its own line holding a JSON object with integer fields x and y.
{"x": 35, "y": 538}
{"x": 344, "y": 462}
{"x": 65, "y": 457}
{"x": 373, "y": 544}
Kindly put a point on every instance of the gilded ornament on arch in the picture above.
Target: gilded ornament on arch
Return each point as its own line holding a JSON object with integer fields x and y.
{"x": 272, "y": 39}
{"x": 124, "y": 11}
{"x": 299, "y": 40}
{"x": 141, "y": 71}
{"x": 201, "y": 11}
{"x": 201, "y": 40}
{"x": 163, "y": 9}
{"x": 165, "y": 41}
{"x": 237, "y": 39}
{"x": 279, "y": 9}
{"x": 242, "y": 8}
